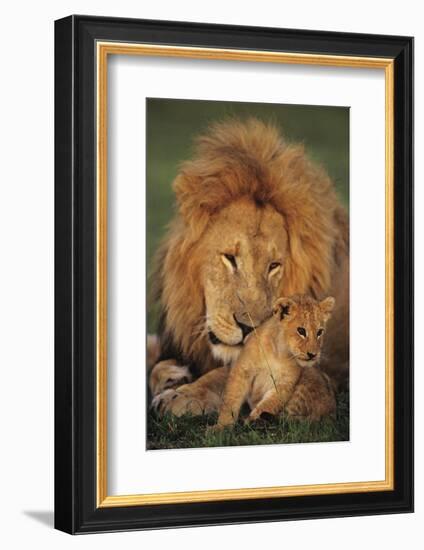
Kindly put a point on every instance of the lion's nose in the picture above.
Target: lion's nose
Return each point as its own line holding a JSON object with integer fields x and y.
{"x": 245, "y": 329}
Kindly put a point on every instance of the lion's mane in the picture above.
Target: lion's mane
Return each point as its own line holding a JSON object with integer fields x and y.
{"x": 237, "y": 159}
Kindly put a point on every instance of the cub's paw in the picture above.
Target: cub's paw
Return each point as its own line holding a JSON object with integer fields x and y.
{"x": 259, "y": 416}
{"x": 254, "y": 415}
{"x": 166, "y": 375}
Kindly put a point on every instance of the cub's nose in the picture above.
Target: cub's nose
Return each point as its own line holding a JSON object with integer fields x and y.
{"x": 311, "y": 356}
{"x": 245, "y": 329}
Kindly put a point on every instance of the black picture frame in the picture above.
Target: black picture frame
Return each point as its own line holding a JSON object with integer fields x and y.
{"x": 76, "y": 510}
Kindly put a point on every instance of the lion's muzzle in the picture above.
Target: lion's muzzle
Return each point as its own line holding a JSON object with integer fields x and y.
{"x": 245, "y": 329}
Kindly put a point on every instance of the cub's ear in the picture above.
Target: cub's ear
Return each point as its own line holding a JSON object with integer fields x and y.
{"x": 327, "y": 306}
{"x": 284, "y": 307}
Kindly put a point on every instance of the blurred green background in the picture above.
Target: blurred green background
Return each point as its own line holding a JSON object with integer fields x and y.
{"x": 173, "y": 124}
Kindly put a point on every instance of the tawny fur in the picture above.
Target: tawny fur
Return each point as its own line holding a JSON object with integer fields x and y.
{"x": 153, "y": 350}
{"x": 248, "y": 192}
{"x": 274, "y": 358}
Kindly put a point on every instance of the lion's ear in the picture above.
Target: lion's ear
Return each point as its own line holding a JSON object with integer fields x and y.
{"x": 284, "y": 307}
{"x": 327, "y": 306}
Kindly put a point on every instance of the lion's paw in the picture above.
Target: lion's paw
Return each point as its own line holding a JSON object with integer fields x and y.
{"x": 176, "y": 402}
{"x": 185, "y": 400}
{"x": 167, "y": 375}
{"x": 160, "y": 401}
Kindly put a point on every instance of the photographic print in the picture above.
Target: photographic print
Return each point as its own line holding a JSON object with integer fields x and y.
{"x": 248, "y": 273}
{"x": 233, "y": 274}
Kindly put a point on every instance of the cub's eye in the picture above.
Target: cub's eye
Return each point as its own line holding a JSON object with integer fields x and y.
{"x": 319, "y": 332}
{"x": 301, "y": 331}
{"x": 273, "y": 266}
{"x": 232, "y": 259}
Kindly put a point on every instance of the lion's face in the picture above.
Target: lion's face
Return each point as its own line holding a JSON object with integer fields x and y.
{"x": 244, "y": 252}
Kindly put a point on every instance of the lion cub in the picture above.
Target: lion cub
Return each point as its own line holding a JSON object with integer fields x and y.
{"x": 276, "y": 364}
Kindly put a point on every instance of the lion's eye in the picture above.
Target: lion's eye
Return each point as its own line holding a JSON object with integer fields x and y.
{"x": 319, "y": 332}
{"x": 232, "y": 259}
{"x": 273, "y": 266}
{"x": 301, "y": 331}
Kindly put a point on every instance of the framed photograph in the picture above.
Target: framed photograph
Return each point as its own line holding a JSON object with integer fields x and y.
{"x": 234, "y": 274}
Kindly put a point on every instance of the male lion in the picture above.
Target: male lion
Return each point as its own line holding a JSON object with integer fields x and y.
{"x": 256, "y": 220}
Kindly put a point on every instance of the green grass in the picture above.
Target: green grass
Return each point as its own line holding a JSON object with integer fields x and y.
{"x": 188, "y": 431}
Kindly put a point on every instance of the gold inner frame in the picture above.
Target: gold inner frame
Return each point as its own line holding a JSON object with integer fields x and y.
{"x": 104, "y": 49}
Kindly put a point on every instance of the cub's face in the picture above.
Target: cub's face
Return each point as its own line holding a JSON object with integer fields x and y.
{"x": 303, "y": 321}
